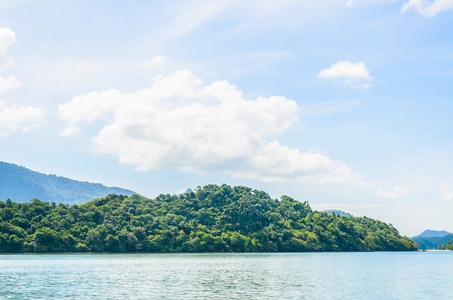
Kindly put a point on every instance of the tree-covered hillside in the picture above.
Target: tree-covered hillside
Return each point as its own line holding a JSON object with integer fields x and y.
{"x": 21, "y": 185}
{"x": 446, "y": 246}
{"x": 213, "y": 218}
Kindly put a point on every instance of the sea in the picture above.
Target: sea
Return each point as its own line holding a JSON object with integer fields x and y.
{"x": 346, "y": 275}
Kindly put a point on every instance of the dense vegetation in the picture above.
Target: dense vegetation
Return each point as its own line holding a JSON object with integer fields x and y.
{"x": 213, "y": 218}
{"x": 21, "y": 184}
{"x": 447, "y": 246}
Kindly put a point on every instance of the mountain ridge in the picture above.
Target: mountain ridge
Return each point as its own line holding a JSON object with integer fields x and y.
{"x": 433, "y": 233}
{"x": 431, "y": 239}
{"x": 21, "y": 184}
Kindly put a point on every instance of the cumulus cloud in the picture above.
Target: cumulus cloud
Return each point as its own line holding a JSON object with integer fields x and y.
{"x": 446, "y": 191}
{"x": 398, "y": 192}
{"x": 428, "y": 8}
{"x": 8, "y": 83}
{"x": 158, "y": 60}
{"x": 354, "y": 75}
{"x": 7, "y": 38}
{"x": 13, "y": 118}
{"x": 182, "y": 123}
{"x": 71, "y": 130}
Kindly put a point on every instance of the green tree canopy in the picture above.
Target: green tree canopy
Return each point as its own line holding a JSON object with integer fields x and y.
{"x": 213, "y": 218}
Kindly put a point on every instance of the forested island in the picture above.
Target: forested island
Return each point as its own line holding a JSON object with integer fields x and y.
{"x": 210, "y": 219}
{"x": 447, "y": 246}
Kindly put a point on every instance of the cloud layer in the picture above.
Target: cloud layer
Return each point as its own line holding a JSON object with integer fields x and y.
{"x": 13, "y": 117}
{"x": 8, "y": 83}
{"x": 446, "y": 191}
{"x": 398, "y": 192}
{"x": 7, "y": 38}
{"x": 182, "y": 123}
{"x": 354, "y": 75}
{"x": 428, "y": 8}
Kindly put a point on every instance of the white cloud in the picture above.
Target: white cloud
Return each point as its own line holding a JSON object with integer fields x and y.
{"x": 446, "y": 191}
{"x": 8, "y": 83}
{"x": 398, "y": 192}
{"x": 428, "y": 8}
{"x": 354, "y": 75}
{"x": 182, "y": 123}
{"x": 71, "y": 130}
{"x": 157, "y": 60}
{"x": 350, "y": 2}
{"x": 13, "y": 118}
{"x": 274, "y": 162}
{"x": 7, "y": 38}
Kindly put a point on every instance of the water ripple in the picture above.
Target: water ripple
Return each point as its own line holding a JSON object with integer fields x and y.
{"x": 383, "y": 275}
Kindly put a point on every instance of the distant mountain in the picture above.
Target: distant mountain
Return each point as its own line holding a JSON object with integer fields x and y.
{"x": 431, "y": 239}
{"x": 339, "y": 213}
{"x": 21, "y": 185}
{"x": 433, "y": 233}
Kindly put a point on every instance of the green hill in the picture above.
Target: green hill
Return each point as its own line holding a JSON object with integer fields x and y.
{"x": 211, "y": 219}
{"x": 21, "y": 185}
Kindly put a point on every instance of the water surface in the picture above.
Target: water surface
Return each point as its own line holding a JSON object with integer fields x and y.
{"x": 376, "y": 275}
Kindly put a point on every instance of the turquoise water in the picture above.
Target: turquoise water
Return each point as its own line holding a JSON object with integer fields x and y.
{"x": 379, "y": 275}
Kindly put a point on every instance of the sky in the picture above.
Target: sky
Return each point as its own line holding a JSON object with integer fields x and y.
{"x": 344, "y": 104}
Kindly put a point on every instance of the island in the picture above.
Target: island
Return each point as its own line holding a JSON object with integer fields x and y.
{"x": 210, "y": 219}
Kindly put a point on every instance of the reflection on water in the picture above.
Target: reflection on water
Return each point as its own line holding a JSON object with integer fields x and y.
{"x": 384, "y": 275}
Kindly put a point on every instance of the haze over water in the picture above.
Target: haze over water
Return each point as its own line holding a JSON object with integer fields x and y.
{"x": 375, "y": 275}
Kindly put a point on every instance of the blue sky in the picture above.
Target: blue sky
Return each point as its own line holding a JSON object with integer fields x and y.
{"x": 345, "y": 104}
